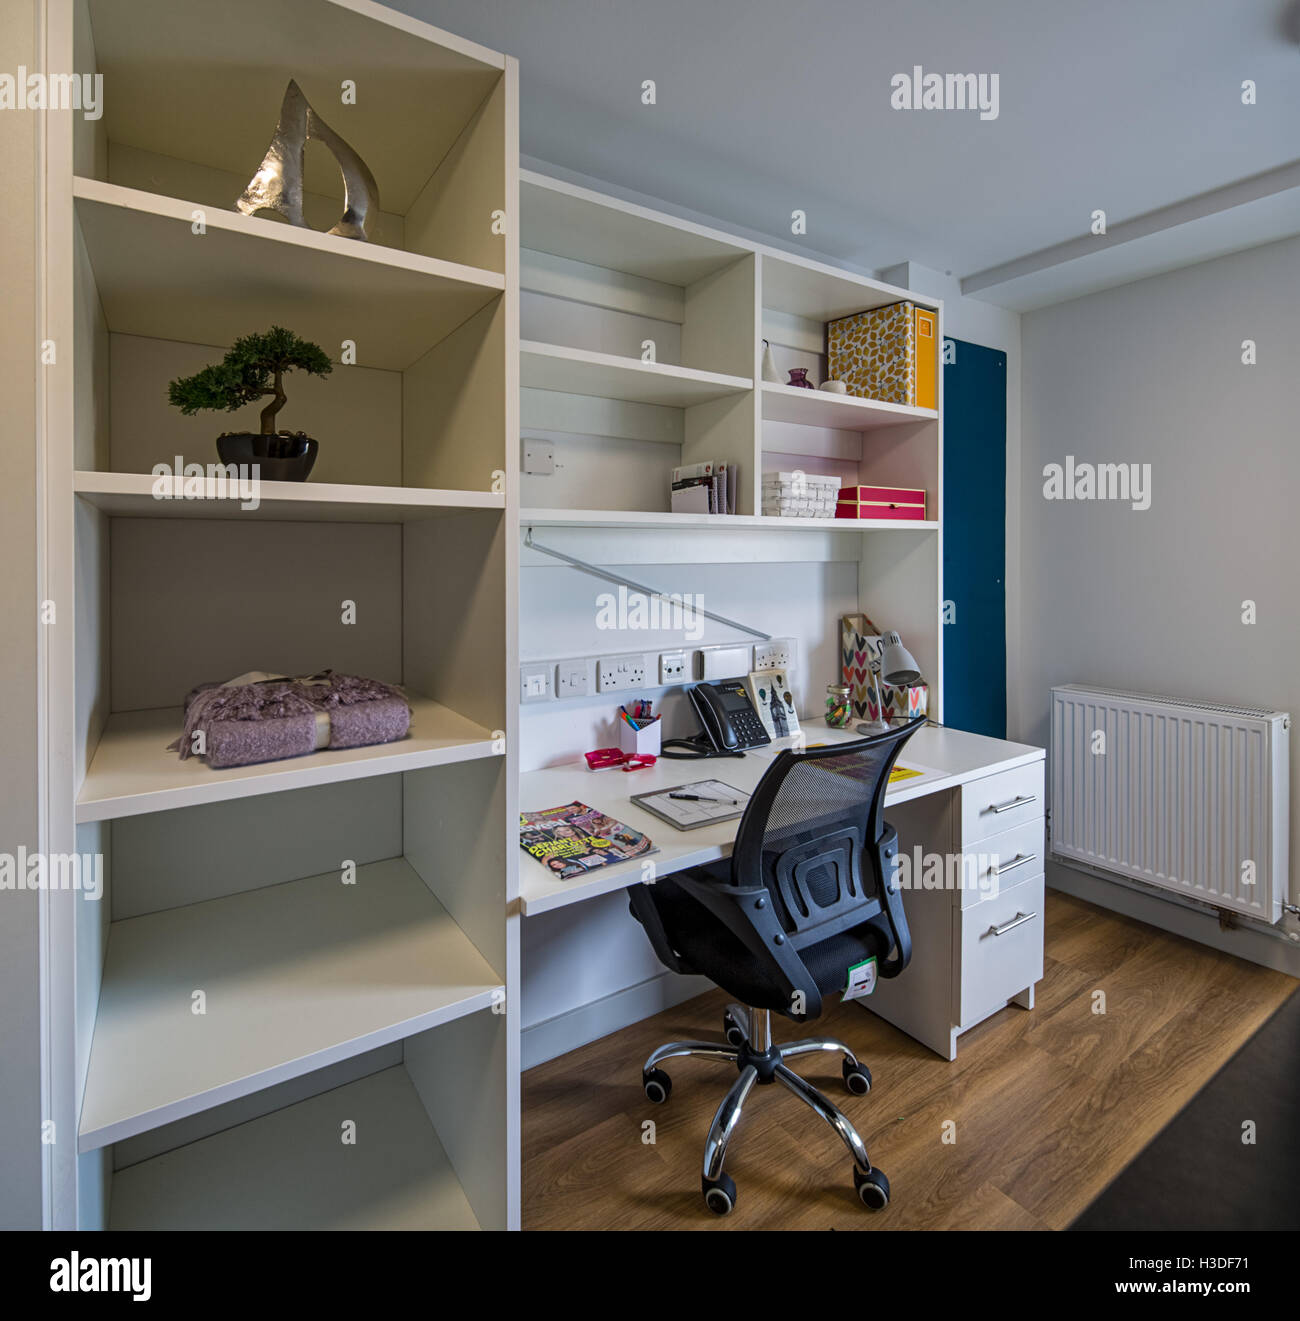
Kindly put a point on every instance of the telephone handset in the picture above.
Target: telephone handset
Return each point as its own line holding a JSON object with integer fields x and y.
{"x": 730, "y": 722}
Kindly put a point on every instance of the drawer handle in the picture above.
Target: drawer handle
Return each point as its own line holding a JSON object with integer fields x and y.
{"x": 1015, "y": 802}
{"x": 1019, "y": 920}
{"x": 1018, "y": 861}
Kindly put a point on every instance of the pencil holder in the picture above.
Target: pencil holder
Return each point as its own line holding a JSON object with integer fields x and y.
{"x": 643, "y": 741}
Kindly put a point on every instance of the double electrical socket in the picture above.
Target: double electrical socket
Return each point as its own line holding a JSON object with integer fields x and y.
{"x": 615, "y": 673}
{"x": 776, "y": 654}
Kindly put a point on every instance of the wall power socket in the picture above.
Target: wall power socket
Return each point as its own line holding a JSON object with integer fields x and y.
{"x": 778, "y": 654}
{"x": 615, "y": 673}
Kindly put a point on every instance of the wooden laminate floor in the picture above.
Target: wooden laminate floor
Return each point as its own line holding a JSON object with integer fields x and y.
{"x": 1039, "y": 1111}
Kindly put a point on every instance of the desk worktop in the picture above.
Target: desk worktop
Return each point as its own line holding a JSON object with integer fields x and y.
{"x": 948, "y": 757}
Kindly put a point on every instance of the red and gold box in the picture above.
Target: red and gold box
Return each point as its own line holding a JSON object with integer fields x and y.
{"x": 880, "y": 502}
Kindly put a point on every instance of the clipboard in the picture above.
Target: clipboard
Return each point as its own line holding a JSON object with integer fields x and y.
{"x": 686, "y": 815}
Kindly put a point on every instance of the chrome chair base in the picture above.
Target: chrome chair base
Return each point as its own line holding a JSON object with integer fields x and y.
{"x": 750, "y": 1048}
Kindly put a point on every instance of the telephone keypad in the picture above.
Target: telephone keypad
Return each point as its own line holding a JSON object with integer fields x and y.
{"x": 749, "y": 728}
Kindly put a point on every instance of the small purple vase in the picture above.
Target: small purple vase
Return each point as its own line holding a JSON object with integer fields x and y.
{"x": 799, "y": 377}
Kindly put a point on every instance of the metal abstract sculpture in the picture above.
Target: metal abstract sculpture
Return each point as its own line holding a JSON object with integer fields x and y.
{"x": 277, "y": 185}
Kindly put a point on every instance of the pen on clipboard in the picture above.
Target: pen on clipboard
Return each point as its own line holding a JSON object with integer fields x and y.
{"x": 703, "y": 798}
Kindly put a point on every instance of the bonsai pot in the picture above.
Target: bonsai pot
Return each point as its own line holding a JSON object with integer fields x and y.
{"x": 282, "y": 456}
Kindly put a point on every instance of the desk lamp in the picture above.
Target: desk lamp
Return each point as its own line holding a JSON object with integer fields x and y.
{"x": 899, "y": 667}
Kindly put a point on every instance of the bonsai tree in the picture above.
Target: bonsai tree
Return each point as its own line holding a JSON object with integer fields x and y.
{"x": 254, "y": 367}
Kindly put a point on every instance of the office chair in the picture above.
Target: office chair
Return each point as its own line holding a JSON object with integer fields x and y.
{"x": 808, "y": 893}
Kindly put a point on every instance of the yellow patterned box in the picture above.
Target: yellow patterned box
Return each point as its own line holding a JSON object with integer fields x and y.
{"x": 886, "y": 354}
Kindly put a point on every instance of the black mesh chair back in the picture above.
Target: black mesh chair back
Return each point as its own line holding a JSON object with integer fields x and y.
{"x": 812, "y": 835}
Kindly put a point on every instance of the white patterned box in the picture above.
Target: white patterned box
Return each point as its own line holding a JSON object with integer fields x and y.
{"x": 799, "y": 495}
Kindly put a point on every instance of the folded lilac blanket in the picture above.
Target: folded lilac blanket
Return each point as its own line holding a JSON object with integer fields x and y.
{"x": 277, "y": 718}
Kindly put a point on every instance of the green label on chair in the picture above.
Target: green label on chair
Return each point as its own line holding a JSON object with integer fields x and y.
{"x": 862, "y": 980}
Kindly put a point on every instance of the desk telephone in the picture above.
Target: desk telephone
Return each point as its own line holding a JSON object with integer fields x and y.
{"x": 730, "y": 722}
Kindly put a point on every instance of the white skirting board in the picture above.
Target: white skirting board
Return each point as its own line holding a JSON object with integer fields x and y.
{"x": 1118, "y": 896}
{"x": 565, "y": 1032}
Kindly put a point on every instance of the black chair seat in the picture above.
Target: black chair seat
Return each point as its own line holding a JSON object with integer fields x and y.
{"x": 705, "y": 944}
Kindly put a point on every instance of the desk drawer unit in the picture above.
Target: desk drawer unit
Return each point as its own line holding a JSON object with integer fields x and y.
{"x": 997, "y": 950}
{"x": 995, "y": 864}
{"x": 998, "y": 802}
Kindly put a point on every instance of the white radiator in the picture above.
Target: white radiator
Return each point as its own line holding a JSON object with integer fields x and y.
{"x": 1189, "y": 796}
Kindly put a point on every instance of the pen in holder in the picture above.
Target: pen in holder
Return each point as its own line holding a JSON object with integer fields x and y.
{"x": 644, "y": 741}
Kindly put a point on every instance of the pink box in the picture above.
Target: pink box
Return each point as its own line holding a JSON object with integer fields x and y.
{"x": 899, "y": 502}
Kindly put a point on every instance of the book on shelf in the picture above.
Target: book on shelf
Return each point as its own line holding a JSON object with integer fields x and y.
{"x": 704, "y": 488}
{"x": 575, "y": 839}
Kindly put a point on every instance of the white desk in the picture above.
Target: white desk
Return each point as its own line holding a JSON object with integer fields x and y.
{"x": 956, "y": 756}
{"x": 980, "y": 801}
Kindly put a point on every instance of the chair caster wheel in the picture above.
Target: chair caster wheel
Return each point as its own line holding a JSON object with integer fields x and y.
{"x": 719, "y": 1194}
{"x": 658, "y": 1086}
{"x": 732, "y": 1031}
{"x": 857, "y": 1078}
{"x": 873, "y": 1189}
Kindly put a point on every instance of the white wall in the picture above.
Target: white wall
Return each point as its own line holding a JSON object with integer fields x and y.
{"x": 559, "y": 613}
{"x": 20, "y": 1056}
{"x": 1152, "y": 373}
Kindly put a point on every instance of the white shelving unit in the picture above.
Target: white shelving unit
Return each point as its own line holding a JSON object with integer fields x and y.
{"x": 351, "y": 917}
{"x": 394, "y": 305}
{"x": 136, "y": 495}
{"x": 284, "y": 947}
{"x": 300, "y": 974}
{"x": 817, "y": 408}
{"x": 579, "y": 371}
{"x": 632, "y": 519}
{"x": 600, "y": 277}
{"x": 133, "y": 771}
{"x": 289, "y": 1169}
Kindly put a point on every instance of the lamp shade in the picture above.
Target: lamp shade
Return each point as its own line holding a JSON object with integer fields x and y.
{"x": 898, "y": 667}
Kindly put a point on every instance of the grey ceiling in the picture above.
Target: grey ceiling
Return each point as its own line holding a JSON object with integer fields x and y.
{"x": 1126, "y": 105}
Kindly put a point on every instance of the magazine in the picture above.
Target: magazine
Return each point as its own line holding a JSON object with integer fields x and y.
{"x": 575, "y": 839}
{"x": 856, "y": 770}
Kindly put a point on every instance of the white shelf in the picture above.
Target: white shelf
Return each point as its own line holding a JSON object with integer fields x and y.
{"x": 819, "y": 408}
{"x": 187, "y": 79}
{"x": 297, "y": 976}
{"x": 575, "y": 223}
{"x": 816, "y": 292}
{"x": 618, "y": 518}
{"x": 132, "y": 772}
{"x": 581, "y": 371}
{"x": 156, "y": 277}
{"x": 289, "y": 1170}
{"x": 130, "y": 495}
